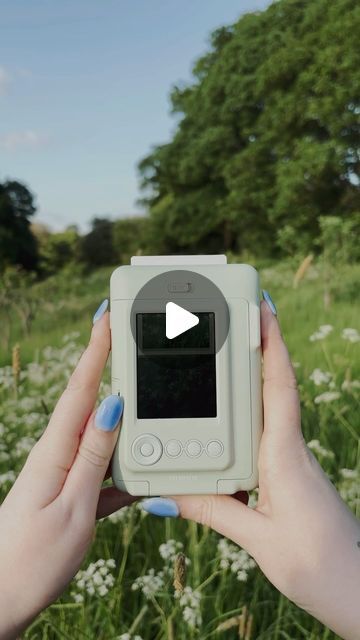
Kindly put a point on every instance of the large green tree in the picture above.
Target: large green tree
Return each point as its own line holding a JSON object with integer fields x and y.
{"x": 17, "y": 243}
{"x": 268, "y": 133}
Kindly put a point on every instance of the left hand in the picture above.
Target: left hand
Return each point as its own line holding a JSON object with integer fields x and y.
{"x": 47, "y": 520}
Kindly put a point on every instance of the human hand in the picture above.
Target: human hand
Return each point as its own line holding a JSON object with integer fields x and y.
{"x": 301, "y": 534}
{"x": 47, "y": 519}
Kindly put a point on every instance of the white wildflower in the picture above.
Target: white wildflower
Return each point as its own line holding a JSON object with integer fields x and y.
{"x": 149, "y": 584}
{"x": 317, "y": 448}
{"x": 322, "y": 332}
{"x": 9, "y": 476}
{"x": 349, "y": 474}
{"x": 190, "y": 601}
{"x": 96, "y": 579}
{"x": 237, "y": 560}
{"x": 168, "y": 550}
{"x": 24, "y": 445}
{"x": 352, "y": 335}
{"x": 349, "y": 385}
{"x": 320, "y": 377}
{"x": 327, "y": 396}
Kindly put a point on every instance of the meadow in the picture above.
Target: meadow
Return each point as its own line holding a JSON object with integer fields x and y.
{"x": 125, "y": 589}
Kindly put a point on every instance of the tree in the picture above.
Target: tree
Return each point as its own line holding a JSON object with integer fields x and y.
{"x": 97, "y": 247}
{"x": 18, "y": 245}
{"x": 56, "y": 249}
{"x": 268, "y": 133}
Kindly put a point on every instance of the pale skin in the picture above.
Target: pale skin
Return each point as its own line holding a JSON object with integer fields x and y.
{"x": 302, "y": 535}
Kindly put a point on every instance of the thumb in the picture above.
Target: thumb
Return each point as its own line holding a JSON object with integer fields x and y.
{"x": 225, "y": 514}
{"x": 96, "y": 446}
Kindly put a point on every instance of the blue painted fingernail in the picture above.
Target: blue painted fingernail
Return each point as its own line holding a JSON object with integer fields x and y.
{"x": 268, "y": 300}
{"x": 109, "y": 413}
{"x": 101, "y": 310}
{"x": 161, "y": 507}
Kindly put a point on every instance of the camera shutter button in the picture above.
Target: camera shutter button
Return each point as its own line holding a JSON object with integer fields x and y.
{"x": 147, "y": 449}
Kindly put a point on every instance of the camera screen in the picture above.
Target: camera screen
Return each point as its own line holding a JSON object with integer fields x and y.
{"x": 175, "y": 378}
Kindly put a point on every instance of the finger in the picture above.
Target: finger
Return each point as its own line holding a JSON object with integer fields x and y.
{"x": 111, "y": 500}
{"x": 225, "y": 514}
{"x": 85, "y": 478}
{"x": 280, "y": 395}
{"x": 52, "y": 456}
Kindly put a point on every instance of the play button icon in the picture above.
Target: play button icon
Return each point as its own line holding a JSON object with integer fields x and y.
{"x": 178, "y": 320}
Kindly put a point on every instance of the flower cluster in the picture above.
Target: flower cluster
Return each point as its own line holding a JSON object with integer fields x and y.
{"x": 349, "y": 487}
{"x": 317, "y": 448}
{"x": 97, "y": 579}
{"x": 150, "y": 583}
{"x": 320, "y": 377}
{"x": 352, "y": 335}
{"x": 237, "y": 560}
{"x": 190, "y": 601}
{"x": 322, "y": 332}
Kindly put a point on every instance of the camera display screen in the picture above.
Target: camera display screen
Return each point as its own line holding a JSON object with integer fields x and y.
{"x": 175, "y": 378}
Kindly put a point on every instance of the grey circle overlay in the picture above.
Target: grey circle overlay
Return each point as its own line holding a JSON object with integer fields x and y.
{"x": 191, "y": 291}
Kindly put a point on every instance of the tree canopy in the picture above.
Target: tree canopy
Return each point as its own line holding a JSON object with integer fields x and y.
{"x": 17, "y": 243}
{"x": 268, "y": 133}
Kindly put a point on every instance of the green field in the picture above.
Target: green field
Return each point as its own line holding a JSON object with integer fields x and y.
{"x": 225, "y": 597}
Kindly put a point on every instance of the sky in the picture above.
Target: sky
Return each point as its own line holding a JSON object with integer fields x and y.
{"x": 84, "y": 95}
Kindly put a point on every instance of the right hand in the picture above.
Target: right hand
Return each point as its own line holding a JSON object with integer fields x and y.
{"x": 301, "y": 534}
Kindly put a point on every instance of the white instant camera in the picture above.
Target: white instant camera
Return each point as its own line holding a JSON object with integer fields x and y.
{"x": 189, "y": 376}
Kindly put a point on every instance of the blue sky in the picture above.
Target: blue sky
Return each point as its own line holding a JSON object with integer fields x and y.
{"x": 84, "y": 88}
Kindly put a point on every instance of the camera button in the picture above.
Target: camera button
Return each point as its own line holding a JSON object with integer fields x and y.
{"x": 214, "y": 448}
{"x": 173, "y": 448}
{"x": 193, "y": 448}
{"x": 147, "y": 449}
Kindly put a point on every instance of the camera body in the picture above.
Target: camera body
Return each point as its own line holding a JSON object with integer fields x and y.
{"x": 192, "y": 417}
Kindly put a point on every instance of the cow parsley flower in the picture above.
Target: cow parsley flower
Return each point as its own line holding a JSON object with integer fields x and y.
{"x": 317, "y": 448}
{"x": 349, "y": 385}
{"x": 237, "y": 560}
{"x": 320, "y": 377}
{"x": 327, "y": 396}
{"x": 352, "y": 335}
{"x": 322, "y": 332}
{"x": 149, "y": 584}
{"x": 97, "y": 579}
{"x": 168, "y": 550}
{"x": 190, "y": 601}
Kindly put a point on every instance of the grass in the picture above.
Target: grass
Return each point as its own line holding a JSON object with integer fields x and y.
{"x": 65, "y": 304}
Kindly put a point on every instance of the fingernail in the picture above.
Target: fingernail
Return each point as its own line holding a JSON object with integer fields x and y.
{"x": 101, "y": 310}
{"x": 109, "y": 413}
{"x": 161, "y": 507}
{"x": 268, "y": 300}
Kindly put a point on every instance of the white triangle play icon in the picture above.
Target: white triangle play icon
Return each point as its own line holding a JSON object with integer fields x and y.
{"x": 178, "y": 320}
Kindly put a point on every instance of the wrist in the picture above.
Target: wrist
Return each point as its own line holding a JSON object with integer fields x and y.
{"x": 333, "y": 591}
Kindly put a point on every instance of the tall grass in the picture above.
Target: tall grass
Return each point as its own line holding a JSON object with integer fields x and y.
{"x": 223, "y": 595}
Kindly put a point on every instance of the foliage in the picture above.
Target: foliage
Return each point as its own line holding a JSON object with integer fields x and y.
{"x": 17, "y": 243}
{"x": 56, "y": 249}
{"x": 97, "y": 247}
{"x": 267, "y": 140}
{"x": 125, "y": 586}
{"x": 130, "y": 237}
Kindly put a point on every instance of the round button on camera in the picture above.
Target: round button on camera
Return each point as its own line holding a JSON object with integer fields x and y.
{"x": 147, "y": 449}
{"x": 214, "y": 448}
{"x": 173, "y": 448}
{"x": 193, "y": 448}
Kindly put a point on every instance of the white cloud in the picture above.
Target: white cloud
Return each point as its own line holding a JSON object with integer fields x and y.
{"x": 15, "y": 140}
{"x": 4, "y": 81}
